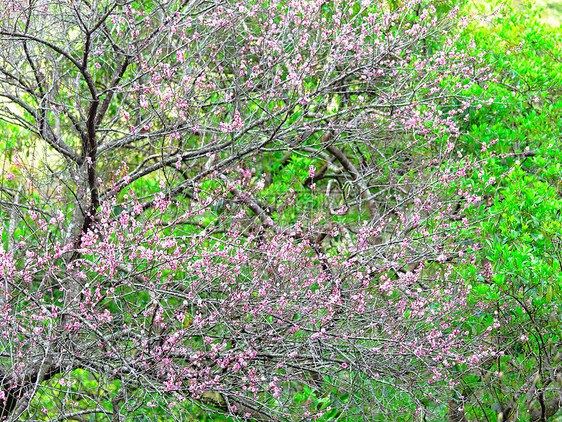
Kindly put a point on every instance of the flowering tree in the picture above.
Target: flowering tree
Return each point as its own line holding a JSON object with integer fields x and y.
{"x": 253, "y": 208}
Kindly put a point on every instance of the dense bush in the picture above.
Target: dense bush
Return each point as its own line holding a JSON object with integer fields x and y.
{"x": 520, "y": 218}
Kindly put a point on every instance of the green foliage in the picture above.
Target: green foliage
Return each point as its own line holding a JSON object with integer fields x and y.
{"x": 522, "y": 210}
{"x": 520, "y": 218}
